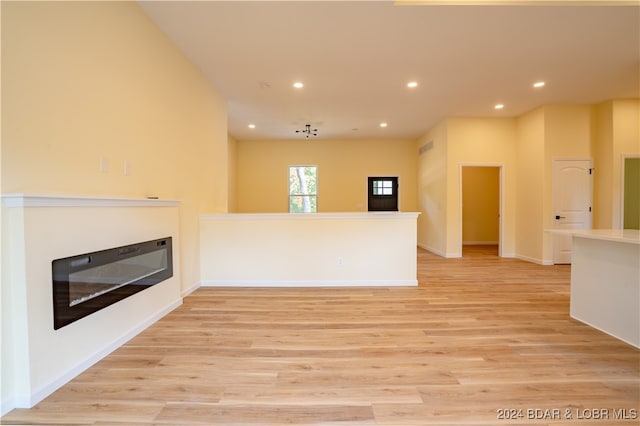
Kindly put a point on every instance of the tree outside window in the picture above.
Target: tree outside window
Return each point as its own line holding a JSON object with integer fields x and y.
{"x": 303, "y": 189}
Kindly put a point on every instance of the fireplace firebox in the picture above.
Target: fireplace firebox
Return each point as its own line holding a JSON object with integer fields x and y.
{"x": 86, "y": 283}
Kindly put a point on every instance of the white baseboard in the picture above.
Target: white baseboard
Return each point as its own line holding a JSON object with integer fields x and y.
{"x": 440, "y": 252}
{"x": 190, "y": 290}
{"x": 279, "y": 283}
{"x": 432, "y": 250}
{"x": 480, "y": 243}
{"x": 534, "y": 260}
{"x": 7, "y": 404}
{"x": 629, "y": 342}
{"x": 28, "y": 401}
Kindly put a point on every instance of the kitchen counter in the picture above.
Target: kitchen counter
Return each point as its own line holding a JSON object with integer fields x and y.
{"x": 605, "y": 281}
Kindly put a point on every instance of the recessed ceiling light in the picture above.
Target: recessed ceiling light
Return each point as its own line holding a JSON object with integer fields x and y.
{"x": 383, "y": 124}
{"x": 499, "y": 106}
{"x": 538, "y": 84}
{"x": 412, "y": 84}
{"x": 298, "y": 85}
{"x": 252, "y": 126}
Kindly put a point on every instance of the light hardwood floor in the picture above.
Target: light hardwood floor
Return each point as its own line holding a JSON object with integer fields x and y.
{"x": 478, "y": 336}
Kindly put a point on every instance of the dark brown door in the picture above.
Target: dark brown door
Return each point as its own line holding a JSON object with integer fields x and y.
{"x": 383, "y": 194}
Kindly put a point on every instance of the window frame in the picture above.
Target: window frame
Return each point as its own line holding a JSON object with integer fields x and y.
{"x": 313, "y": 196}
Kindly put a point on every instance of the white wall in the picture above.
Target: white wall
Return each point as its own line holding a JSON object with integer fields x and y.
{"x": 326, "y": 249}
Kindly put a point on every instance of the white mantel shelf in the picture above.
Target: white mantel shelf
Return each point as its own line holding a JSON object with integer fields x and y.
{"x": 52, "y": 200}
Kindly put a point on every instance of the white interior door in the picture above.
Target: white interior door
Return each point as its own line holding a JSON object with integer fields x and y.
{"x": 572, "y": 200}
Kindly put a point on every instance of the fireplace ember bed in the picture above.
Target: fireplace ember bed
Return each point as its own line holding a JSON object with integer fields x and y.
{"x": 86, "y": 283}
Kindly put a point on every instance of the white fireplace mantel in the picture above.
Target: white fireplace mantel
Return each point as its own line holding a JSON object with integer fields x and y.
{"x": 37, "y": 229}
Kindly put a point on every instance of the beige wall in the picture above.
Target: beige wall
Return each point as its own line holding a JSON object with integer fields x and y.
{"x": 462, "y": 142}
{"x": 231, "y": 166}
{"x": 567, "y": 134}
{"x": 602, "y": 149}
{"x": 432, "y": 190}
{"x": 616, "y": 135}
{"x": 477, "y": 141}
{"x": 530, "y": 184}
{"x": 526, "y": 147}
{"x": 480, "y": 205}
{"x": 86, "y": 84}
{"x": 546, "y": 134}
{"x": 626, "y": 142}
{"x": 343, "y": 168}
{"x": 97, "y": 101}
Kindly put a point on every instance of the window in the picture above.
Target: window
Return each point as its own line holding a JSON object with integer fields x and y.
{"x": 382, "y": 187}
{"x": 383, "y": 193}
{"x": 303, "y": 189}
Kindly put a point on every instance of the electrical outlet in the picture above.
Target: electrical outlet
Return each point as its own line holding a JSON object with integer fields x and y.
{"x": 340, "y": 261}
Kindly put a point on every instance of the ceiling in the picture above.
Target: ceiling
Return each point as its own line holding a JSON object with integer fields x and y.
{"x": 355, "y": 59}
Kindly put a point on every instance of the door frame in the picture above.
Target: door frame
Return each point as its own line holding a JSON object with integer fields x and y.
{"x": 500, "y": 167}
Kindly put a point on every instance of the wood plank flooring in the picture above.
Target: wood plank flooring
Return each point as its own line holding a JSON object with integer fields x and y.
{"x": 479, "y": 339}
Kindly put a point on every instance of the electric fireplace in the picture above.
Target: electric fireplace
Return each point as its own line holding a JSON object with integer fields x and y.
{"x": 86, "y": 283}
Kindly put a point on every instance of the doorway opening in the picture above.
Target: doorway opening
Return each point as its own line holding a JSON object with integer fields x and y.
{"x": 480, "y": 212}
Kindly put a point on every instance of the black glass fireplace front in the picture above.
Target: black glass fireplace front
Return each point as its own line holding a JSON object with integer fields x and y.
{"x": 89, "y": 282}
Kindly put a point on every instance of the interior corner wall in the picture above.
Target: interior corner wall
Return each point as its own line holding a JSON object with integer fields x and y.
{"x": 97, "y": 101}
{"x": 232, "y": 165}
{"x": 616, "y": 134}
{"x": 602, "y": 148}
{"x": 432, "y": 189}
{"x": 626, "y": 141}
{"x": 530, "y": 184}
{"x": 343, "y": 167}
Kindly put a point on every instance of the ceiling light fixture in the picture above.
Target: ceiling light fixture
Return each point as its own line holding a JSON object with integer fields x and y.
{"x": 307, "y": 131}
{"x": 298, "y": 85}
{"x": 538, "y": 84}
{"x": 499, "y": 106}
{"x": 252, "y": 126}
{"x": 383, "y": 124}
{"x": 412, "y": 84}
